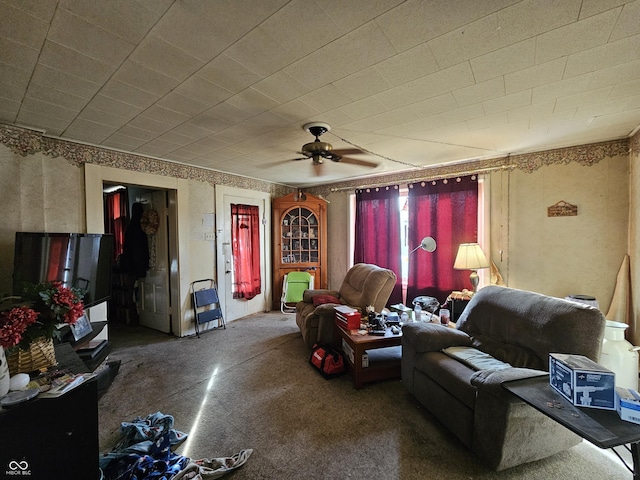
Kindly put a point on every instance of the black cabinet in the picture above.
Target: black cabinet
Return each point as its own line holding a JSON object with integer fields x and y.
{"x": 456, "y": 307}
{"x": 52, "y": 438}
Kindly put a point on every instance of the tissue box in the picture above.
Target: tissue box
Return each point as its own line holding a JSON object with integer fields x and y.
{"x": 628, "y": 404}
{"x": 582, "y": 381}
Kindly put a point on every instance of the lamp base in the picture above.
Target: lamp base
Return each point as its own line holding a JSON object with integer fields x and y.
{"x": 474, "y": 279}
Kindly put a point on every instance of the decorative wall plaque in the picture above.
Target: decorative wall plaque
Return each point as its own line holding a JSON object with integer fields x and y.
{"x": 562, "y": 209}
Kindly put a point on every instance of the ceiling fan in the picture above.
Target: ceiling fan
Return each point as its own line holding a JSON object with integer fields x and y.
{"x": 319, "y": 150}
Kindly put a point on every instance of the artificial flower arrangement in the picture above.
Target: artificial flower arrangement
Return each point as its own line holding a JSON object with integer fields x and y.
{"x": 37, "y": 314}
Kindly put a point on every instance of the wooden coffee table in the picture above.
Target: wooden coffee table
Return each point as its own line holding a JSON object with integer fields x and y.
{"x": 358, "y": 344}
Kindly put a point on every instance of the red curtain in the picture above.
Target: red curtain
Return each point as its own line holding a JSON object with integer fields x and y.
{"x": 115, "y": 218}
{"x": 377, "y": 235}
{"x": 245, "y": 240}
{"x": 58, "y": 261}
{"x": 446, "y": 210}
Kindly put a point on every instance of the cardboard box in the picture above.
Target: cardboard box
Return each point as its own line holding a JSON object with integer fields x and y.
{"x": 628, "y": 404}
{"x": 582, "y": 381}
{"x": 347, "y": 350}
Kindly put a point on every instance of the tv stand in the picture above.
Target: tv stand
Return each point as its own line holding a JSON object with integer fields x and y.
{"x": 53, "y": 438}
{"x": 92, "y": 361}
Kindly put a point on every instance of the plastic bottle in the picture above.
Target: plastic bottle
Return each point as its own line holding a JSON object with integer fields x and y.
{"x": 417, "y": 312}
{"x": 404, "y": 317}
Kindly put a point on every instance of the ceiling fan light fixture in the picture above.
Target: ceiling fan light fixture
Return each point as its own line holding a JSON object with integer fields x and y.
{"x": 316, "y": 148}
{"x": 316, "y": 128}
{"x": 319, "y": 150}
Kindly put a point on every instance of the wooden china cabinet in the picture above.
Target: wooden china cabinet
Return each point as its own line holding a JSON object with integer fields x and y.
{"x": 300, "y": 239}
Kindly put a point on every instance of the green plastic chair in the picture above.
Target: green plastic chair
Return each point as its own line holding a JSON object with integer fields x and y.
{"x": 293, "y": 286}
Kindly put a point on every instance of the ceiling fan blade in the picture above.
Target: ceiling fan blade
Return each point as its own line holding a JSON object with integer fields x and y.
{"x": 276, "y": 163}
{"x": 282, "y": 162}
{"x": 348, "y": 151}
{"x": 356, "y": 161}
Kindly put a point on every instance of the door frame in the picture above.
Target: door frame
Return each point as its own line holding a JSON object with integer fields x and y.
{"x": 222, "y": 194}
{"x": 95, "y": 177}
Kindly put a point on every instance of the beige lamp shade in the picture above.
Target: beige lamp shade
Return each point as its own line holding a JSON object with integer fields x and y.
{"x": 471, "y": 257}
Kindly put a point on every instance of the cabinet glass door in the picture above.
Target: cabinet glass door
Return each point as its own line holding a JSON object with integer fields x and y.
{"x": 299, "y": 236}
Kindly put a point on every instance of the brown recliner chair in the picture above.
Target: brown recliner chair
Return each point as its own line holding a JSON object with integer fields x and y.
{"x": 364, "y": 285}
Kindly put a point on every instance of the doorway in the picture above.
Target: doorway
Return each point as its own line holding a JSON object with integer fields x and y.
{"x": 155, "y": 295}
{"x": 239, "y": 307}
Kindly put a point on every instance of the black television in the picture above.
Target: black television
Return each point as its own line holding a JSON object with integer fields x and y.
{"x": 81, "y": 260}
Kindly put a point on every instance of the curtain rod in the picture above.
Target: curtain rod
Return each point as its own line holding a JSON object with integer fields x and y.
{"x": 435, "y": 176}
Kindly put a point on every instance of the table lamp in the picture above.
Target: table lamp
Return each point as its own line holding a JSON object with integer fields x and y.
{"x": 471, "y": 257}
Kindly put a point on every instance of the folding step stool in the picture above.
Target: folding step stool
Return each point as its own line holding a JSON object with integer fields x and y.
{"x": 206, "y": 304}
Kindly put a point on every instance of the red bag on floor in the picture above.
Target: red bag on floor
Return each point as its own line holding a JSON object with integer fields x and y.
{"x": 327, "y": 361}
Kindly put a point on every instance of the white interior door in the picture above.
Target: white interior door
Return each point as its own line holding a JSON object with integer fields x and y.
{"x": 154, "y": 288}
{"x": 237, "y": 308}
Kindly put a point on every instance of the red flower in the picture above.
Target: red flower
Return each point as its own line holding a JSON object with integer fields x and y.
{"x": 13, "y": 323}
{"x": 76, "y": 310}
{"x": 40, "y": 309}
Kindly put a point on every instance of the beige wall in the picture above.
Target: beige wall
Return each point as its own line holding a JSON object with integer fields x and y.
{"x": 194, "y": 198}
{"x": 38, "y": 193}
{"x": 562, "y": 255}
{"x": 555, "y": 256}
{"x": 338, "y": 221}
{"x": 45, "y": 193}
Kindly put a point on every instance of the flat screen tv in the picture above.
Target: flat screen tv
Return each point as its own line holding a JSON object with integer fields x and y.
{"x": 81, "y": 260}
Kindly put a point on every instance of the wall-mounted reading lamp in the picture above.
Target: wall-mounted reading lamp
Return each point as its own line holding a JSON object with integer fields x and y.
{"x": 428, "y": 244}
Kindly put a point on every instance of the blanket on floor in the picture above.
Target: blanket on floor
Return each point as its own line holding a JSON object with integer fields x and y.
{"x": 144, "y": 452}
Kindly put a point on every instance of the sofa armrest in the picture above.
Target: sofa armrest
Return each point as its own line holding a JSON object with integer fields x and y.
{"x": 431, "y": 337}
{"x": 492, "y": 380}
{"x": 307, "y": 295}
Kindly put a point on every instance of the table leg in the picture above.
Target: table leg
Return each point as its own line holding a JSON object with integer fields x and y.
{"x": 357, "y": 366}
{"x": 635, "y": 454}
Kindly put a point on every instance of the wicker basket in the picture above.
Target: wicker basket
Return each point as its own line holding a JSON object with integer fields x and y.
{"x": 40, "y": 356}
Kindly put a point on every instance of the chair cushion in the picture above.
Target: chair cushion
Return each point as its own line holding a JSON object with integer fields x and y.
{"x": 322, "y": 299}
{"x": 475, "y": 359}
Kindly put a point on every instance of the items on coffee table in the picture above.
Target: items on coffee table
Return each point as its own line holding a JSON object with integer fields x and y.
{"x": 582, "y": 381}
{"x": 347, "y": 317}
{"x": 445, "y": 316}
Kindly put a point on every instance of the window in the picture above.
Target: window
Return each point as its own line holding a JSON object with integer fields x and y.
{"x": 377, "y": 231}
{"x": 450, "y": 221}
{"x": 245, "y": 242}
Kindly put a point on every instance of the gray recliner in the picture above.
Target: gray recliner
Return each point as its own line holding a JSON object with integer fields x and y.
{"x": 501, "y": 326}
{"x": 364, "y": 284}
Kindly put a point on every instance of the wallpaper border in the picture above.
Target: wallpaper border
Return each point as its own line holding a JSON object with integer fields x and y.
{"x": 24, "y": 141}
{"x": 585, "y": 155}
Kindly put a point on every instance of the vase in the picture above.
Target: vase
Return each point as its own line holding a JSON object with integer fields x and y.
{"x": 5, "y": 377}
{"x": 40, "y": 356}
{"x": 619, "y": 356}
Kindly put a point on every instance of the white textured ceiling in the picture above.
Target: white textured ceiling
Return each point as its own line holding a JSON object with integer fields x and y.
{"x": 228, "y": 84}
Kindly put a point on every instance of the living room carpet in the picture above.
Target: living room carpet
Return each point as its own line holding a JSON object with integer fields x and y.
{"x": 251, "y": 387}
